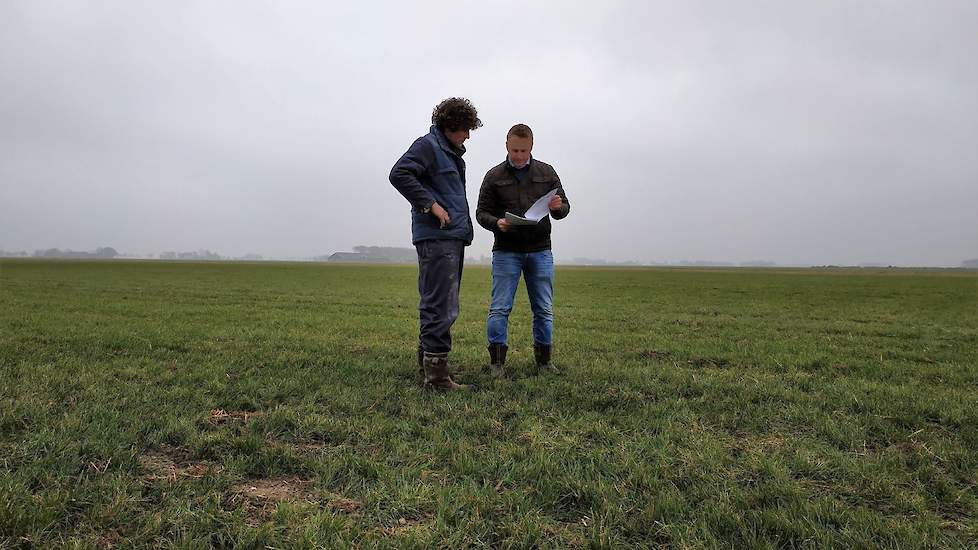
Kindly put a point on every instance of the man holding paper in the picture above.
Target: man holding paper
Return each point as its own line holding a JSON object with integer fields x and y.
{"x": 517, "y": 199}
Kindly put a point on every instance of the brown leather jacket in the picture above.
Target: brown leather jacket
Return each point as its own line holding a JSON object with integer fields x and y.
{"x": 502, "y": 192}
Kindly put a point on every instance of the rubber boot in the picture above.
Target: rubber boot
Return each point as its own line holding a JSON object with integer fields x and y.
{"x": 421, "y": 362}
{"x": 541, "y": 353}
{"x": 436, "y": 375}
{"x": 497, "y": 360}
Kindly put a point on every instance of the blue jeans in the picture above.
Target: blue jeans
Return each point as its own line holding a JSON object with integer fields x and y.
{"x": 538, "y": 271}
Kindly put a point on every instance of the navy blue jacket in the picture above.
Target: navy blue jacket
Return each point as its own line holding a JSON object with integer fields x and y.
{"x": 432, "y": 170}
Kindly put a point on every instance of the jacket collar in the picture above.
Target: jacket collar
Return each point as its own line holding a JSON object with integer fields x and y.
{"x": 443, "y": 142}
{"x": 512, "y": 169}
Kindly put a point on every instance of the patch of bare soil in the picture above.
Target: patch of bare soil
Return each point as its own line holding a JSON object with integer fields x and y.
{"x": 274, "y": 489}
{"x": 345, "y": 505}
{"x": 311, "y": 447}
{"x": 171, "y": 463}
{"x": 220, "y": 416}
{"x": 761, "y": 444}
{"x": 257, "y": 498}
{"x": 404, "y": 525}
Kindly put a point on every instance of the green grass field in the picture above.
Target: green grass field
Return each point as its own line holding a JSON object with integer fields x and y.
{"x": 275, "y": 404}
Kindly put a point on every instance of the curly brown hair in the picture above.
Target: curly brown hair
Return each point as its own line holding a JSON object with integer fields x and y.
{"x": 454, "y": 114}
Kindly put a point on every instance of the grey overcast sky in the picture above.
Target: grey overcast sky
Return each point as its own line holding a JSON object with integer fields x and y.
{"x": 806, "y": 132}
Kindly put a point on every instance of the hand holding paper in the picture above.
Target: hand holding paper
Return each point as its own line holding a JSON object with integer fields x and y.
{"x": 556, "y": 202}
{"x": 535, "y": 213}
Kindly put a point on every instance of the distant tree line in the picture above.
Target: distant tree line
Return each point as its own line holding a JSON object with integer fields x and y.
{"x": 104, "y": 253}
{"x": 392, "y": 254}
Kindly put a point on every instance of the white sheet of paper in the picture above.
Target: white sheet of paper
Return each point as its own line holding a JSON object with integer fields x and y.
{"x": 534, "y": 213}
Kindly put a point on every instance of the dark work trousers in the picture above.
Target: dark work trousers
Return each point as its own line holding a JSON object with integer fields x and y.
{"x": 439, "y": 277}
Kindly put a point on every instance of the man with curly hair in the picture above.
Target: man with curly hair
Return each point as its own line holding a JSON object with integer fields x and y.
{"x": 513, "y": 186}
{"x": 431, "y": 176}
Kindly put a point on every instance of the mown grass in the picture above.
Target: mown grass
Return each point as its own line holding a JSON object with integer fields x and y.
{"x": 245, "y": 405}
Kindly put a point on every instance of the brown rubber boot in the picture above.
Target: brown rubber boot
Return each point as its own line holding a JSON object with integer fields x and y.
{"x": 421, "y": 362}
{"x": 436, "y": 375}
{"x": 541, "y": 352}
{"x": 497, "y": 360}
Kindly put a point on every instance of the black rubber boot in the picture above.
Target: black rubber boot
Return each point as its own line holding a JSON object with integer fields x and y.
{"x": 497, "y": 360}
{"x": 541, "y": 353}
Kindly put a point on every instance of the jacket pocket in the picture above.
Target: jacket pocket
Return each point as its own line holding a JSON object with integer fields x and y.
{"x": 543, "y": 184}
{"x": 503, "y": 186}
{"x": 457, "y": 212}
